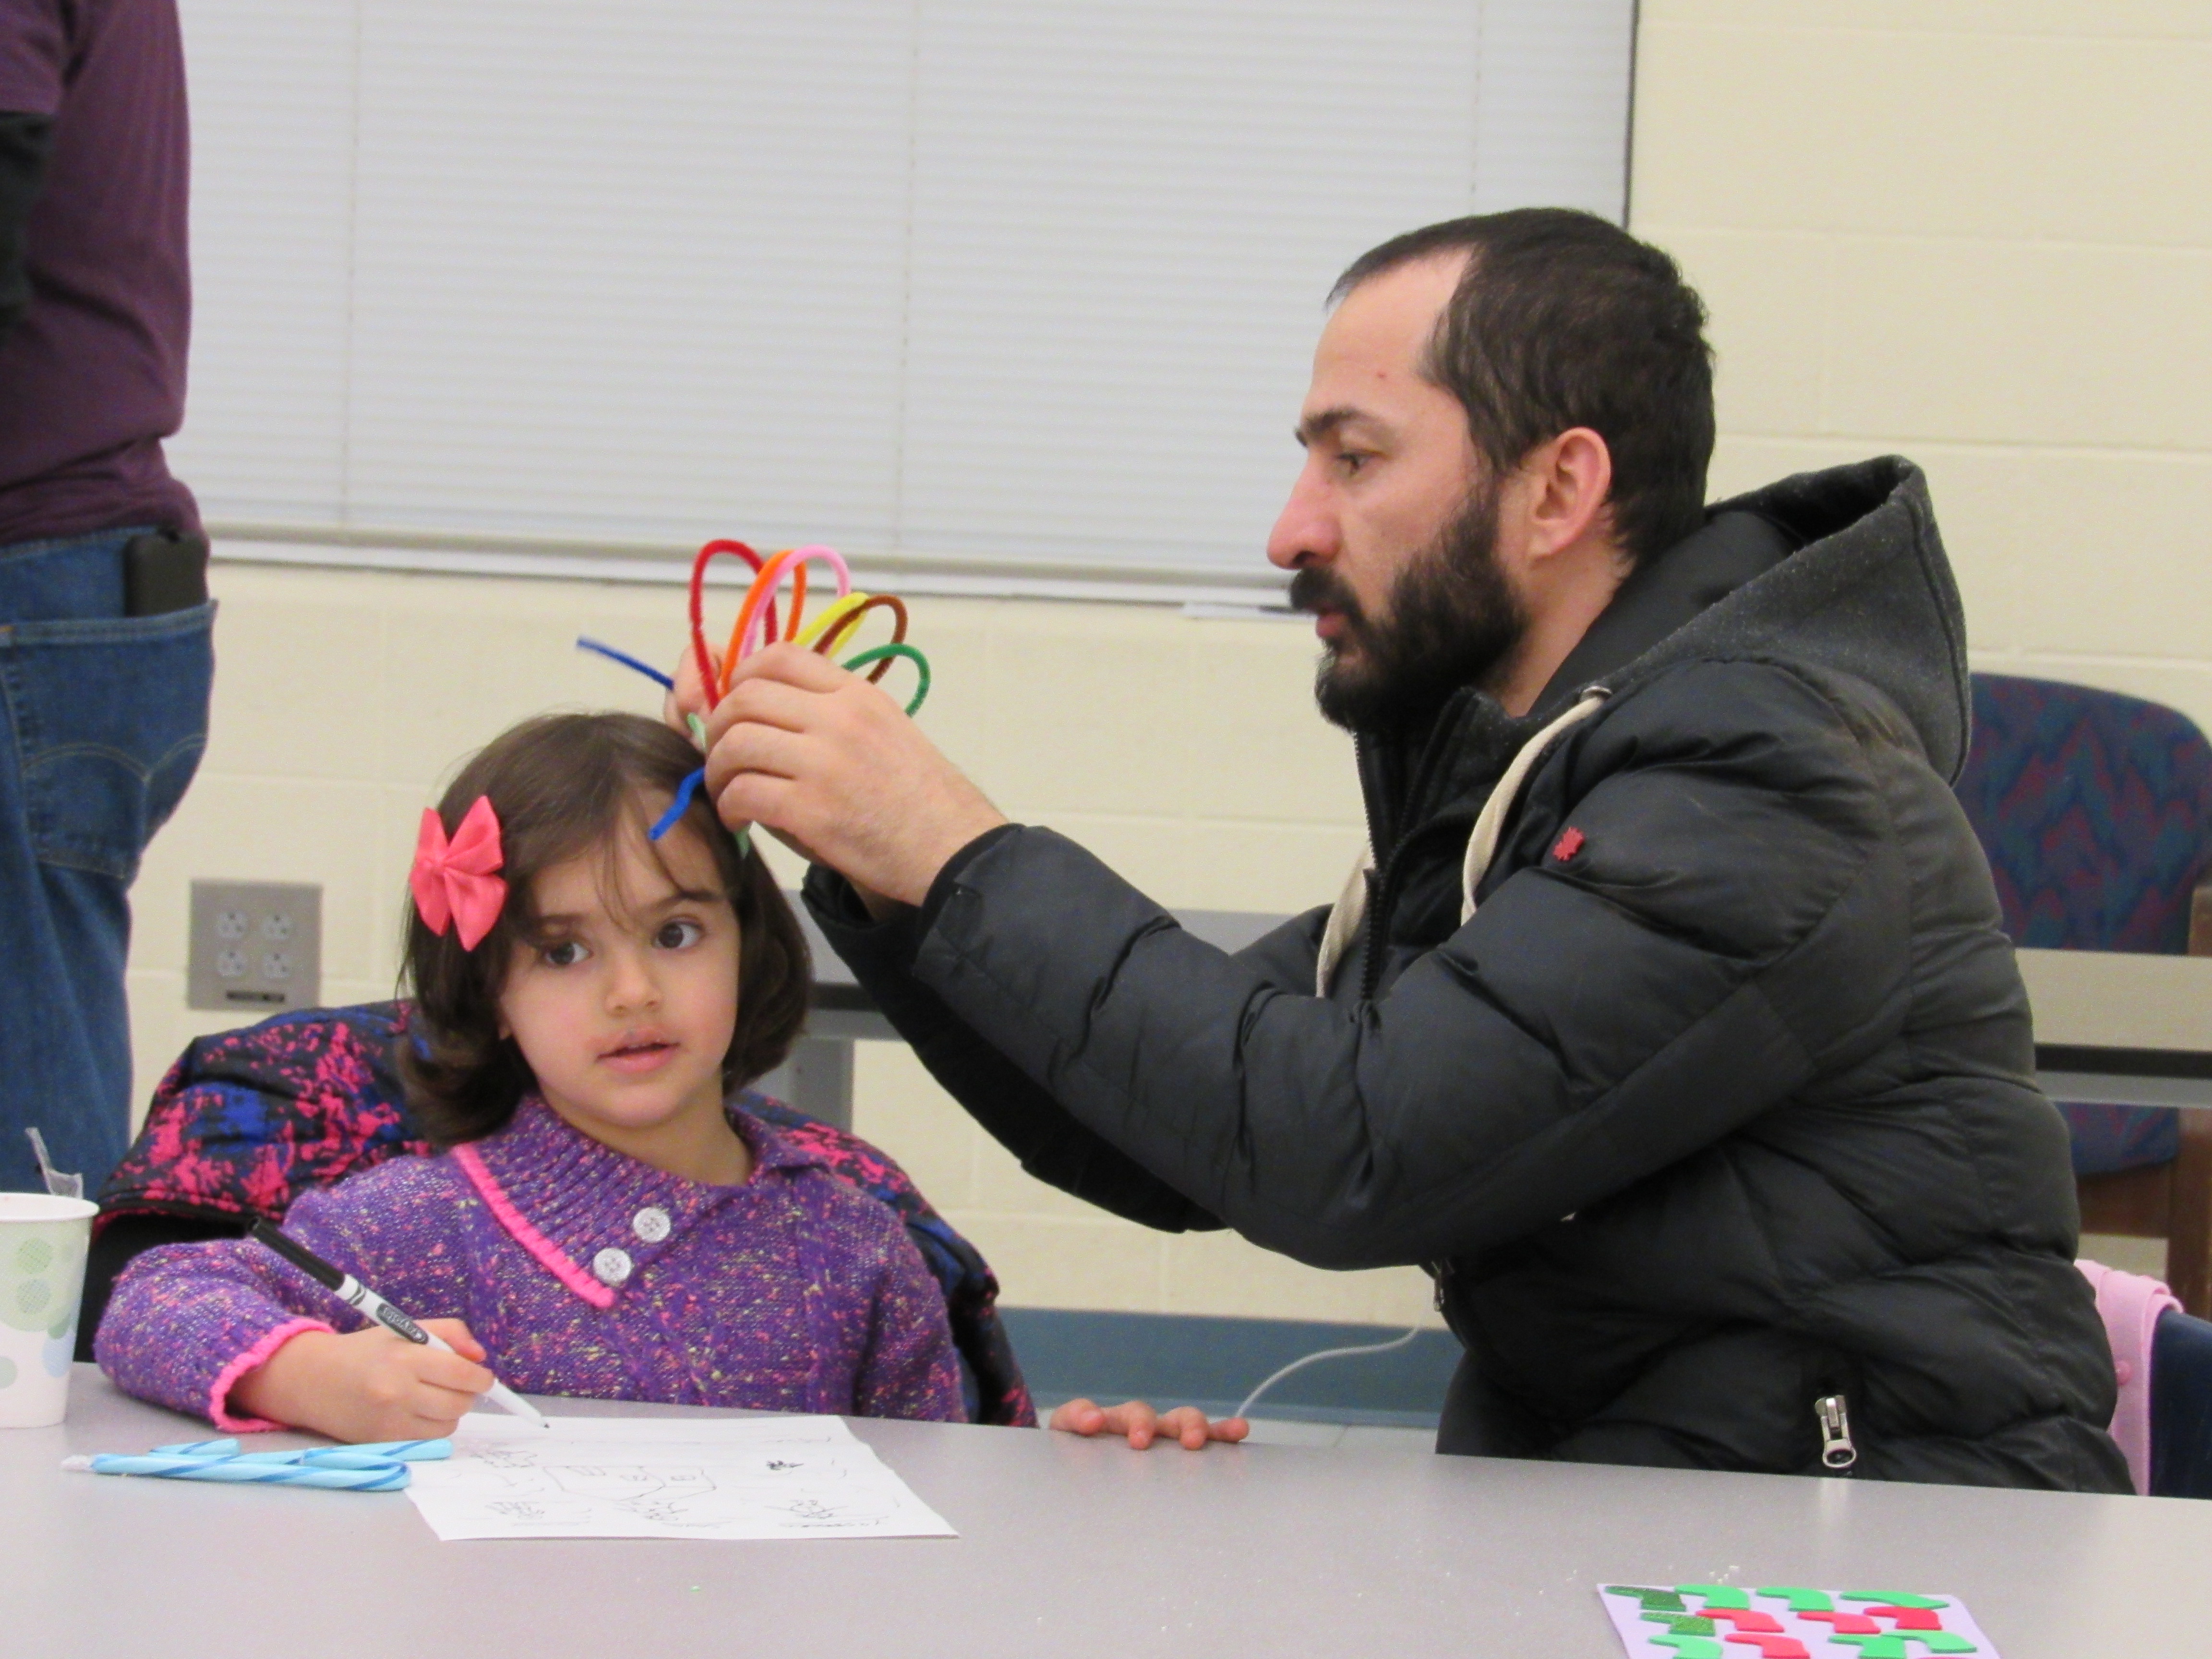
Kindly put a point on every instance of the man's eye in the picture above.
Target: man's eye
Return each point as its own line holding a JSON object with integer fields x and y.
{"x": 1351, "y": 461}
{"x": 676, "y": 935}
{"x": 567, "y": 954}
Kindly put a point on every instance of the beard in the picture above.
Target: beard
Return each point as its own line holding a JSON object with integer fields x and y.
{"x": 1452, "y": 620}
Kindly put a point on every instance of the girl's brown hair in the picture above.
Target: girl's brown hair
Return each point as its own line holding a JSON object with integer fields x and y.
{"x": 563, "y": 785}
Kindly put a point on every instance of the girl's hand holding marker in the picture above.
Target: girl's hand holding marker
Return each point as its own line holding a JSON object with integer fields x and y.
{"x": 369, "y": 1384}
{"x": 363, "y": 1386}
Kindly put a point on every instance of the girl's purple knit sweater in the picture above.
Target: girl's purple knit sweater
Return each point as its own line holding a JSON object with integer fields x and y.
{"x": 582, "y": 1271}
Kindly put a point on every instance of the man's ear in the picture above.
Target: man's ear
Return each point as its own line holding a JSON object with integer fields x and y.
{"x": 1569, "y": 487}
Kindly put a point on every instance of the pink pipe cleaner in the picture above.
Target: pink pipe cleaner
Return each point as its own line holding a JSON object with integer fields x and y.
{"x": 773, "y": 572}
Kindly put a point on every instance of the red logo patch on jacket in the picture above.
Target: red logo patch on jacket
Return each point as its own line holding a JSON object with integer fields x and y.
{"x": 1569, "y": 843}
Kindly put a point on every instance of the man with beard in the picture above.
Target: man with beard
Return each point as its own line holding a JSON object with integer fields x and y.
{"x": 1666, "y": 1021}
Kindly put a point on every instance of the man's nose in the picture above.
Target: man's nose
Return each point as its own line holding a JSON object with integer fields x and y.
{"x": 1306, "y": 531}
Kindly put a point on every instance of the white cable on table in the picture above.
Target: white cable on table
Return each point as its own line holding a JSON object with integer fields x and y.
{"x": 1315, "y": 1358}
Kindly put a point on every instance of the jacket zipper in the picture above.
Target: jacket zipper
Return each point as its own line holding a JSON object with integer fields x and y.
{"x": 1834, "y": 1413}
{"x": 1382, "y": 883}
{"x": 1370, "y": 962}
{"x": 1369, "y": 973}
{"x": 1371, "y": 970}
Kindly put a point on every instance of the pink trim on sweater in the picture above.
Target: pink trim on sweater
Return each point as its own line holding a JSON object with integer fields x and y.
{"x": 2130, "y": 1304}
{"x": 548, "y": 1253}
{"x": 255, "y": 1356}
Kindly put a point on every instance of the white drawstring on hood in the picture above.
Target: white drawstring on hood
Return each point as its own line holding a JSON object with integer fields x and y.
{"x": 1481, "y": 845}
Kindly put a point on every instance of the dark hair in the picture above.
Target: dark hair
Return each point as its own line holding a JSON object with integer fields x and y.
{"x": 562, "y": 785}
{"x": 1563, "y": 320}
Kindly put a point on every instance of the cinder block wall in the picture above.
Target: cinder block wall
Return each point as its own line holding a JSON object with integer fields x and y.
{"x": 1973, "y": 231}
{"x": 1976, "y": 232}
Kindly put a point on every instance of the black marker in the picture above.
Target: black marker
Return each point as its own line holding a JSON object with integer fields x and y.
{"x": 354, "y": 1294}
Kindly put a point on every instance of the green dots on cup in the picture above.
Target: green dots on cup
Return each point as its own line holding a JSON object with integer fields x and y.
{"x": 43, "y": 1240}
{"x": 39, "y": 1272}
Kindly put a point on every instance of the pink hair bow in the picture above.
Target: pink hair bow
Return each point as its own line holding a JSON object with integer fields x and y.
{"x": 453, "y": 880}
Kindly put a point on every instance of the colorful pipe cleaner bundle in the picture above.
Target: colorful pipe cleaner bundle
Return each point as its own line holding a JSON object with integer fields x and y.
{"x": 757, "y": 626}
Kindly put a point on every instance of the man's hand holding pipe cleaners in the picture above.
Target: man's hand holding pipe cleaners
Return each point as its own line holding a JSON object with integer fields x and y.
{"x": 811, "y": 752}
{"x": 757, "y": 621}
{"x": 756, "y": 626}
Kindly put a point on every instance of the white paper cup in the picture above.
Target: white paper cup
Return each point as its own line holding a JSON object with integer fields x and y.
{"x": 43, "y": 1242}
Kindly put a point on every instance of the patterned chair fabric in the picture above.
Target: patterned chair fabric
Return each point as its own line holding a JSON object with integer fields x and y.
{"x": 2095, "y": 810}
{"x": 247, "y": 1119}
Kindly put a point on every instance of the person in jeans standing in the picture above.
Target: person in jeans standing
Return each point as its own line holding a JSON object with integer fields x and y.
{"x": 106, "y": 631}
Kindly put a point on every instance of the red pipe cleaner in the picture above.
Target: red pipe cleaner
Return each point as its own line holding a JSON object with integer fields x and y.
{"x": 700, "y": 654}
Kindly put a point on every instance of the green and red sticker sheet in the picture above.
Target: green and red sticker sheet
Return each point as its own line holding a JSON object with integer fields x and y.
{"x": 1788, "y": 1621}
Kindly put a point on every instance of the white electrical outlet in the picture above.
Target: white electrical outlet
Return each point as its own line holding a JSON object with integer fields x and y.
{"x": 256, "y": 947}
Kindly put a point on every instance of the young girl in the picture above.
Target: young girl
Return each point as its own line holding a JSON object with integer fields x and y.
{"x": 604, "y": 1223}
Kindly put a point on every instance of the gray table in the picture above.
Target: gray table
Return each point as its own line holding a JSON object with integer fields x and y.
{"x": 2122, "y": 1029}
{"x": 1066, "y": 1548}
{"x": 817, "y": 1079}
{"x": 2110, "y": 1027}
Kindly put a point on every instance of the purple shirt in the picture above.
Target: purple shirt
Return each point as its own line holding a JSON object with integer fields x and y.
{"x": 582, "y": 1271}
{"x": 92, "y": 378}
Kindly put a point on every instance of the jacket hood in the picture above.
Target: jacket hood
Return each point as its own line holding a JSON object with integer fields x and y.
{"x": 1841, "y": 569}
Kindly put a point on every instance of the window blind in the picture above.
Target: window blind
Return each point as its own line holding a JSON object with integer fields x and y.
{"x": 1003, "y": 295}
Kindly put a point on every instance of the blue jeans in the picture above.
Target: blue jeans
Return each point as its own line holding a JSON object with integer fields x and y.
{"x": 102, "y": 719}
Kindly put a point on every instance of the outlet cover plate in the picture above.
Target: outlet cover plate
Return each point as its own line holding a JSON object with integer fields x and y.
{"x": 257, "y": 946}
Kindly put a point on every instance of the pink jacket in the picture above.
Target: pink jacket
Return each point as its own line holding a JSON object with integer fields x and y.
{"x": 2130, "y": 1305}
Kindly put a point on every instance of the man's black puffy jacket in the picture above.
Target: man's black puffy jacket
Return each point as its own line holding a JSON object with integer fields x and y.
{"x": 1720, "y": 1102}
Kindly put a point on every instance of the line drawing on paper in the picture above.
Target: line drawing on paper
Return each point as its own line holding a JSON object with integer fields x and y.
{"x": 714, "y": 1478}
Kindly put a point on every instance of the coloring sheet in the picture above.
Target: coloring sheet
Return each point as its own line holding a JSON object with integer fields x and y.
{"x": 1789, "y": 1621}
{"x": 637, "y": 1477}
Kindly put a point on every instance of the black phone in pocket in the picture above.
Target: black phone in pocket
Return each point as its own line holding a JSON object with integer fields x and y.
{"x": 164, "y": 570}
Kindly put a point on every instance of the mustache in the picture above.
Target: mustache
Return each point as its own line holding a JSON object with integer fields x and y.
{"x": 1317, "y": 589}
